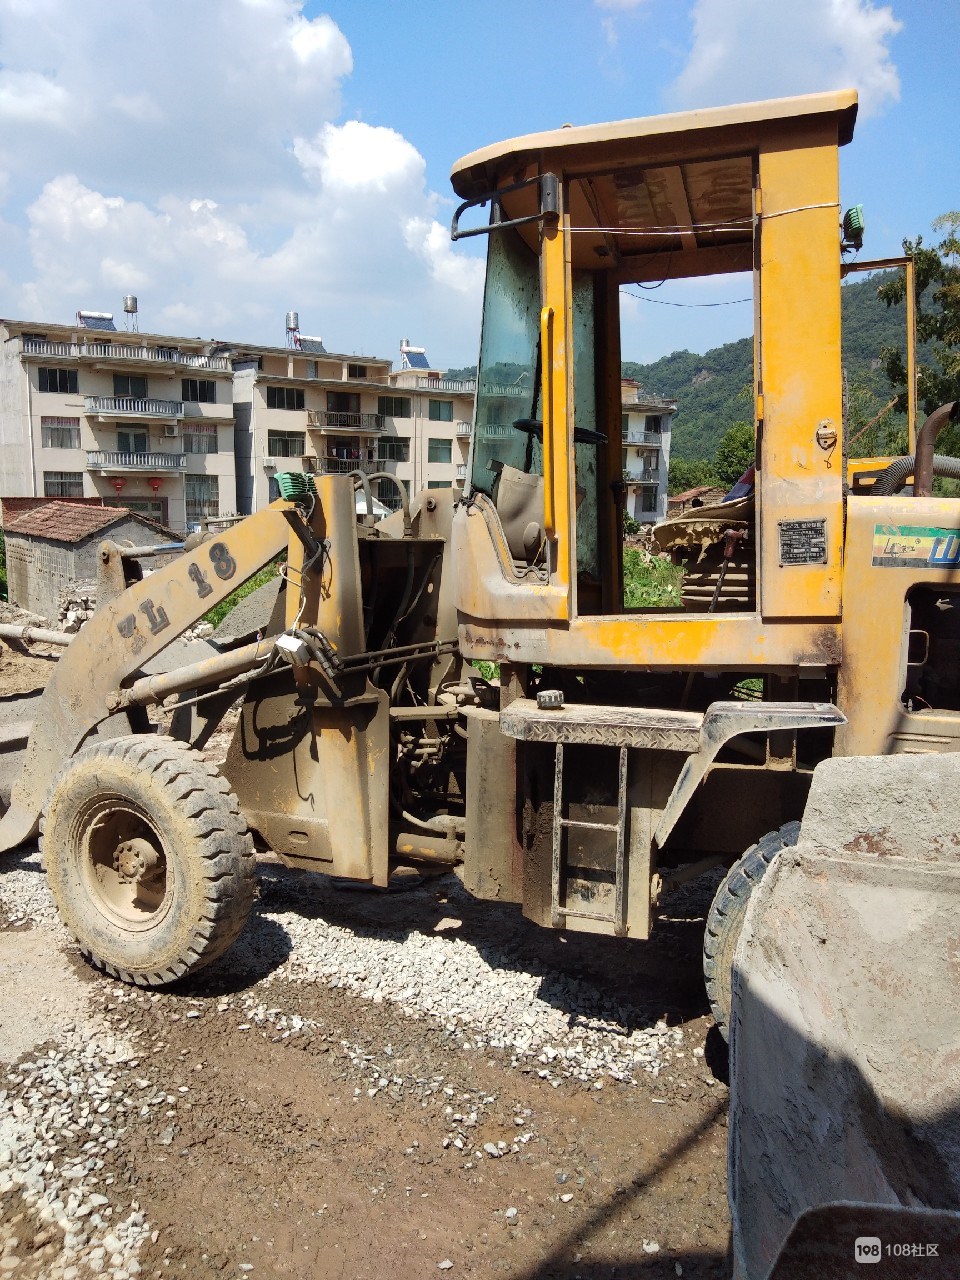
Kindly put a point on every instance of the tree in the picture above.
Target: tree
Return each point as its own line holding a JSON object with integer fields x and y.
{"x": 735, "y": 452}
{"x": 686, "y": 473}
{"x": 937, "y": 280}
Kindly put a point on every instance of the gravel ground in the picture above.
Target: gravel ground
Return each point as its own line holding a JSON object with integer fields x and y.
{"x": 367, "y": 1082}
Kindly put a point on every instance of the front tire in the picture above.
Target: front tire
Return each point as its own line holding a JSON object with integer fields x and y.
{"x": 726, "y": 916}
{"x": 148, "y": 858}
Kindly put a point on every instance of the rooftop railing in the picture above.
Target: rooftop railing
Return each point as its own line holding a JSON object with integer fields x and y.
{"x": 125, "y": 351}
{"x": 463, "y": 385}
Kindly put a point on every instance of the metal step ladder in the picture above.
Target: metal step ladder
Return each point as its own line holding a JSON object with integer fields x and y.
{"x": 560, "y": 911}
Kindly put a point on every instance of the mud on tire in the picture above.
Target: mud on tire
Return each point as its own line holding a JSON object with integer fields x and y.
{"x": 148, "y": 858}
{"x": 726, "y": 915}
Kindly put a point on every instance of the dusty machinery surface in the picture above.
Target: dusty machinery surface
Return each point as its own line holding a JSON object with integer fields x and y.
{"x": 620, "y": 751}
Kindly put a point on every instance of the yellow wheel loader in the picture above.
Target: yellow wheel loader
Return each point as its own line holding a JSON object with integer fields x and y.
{"x": 621, "y": 751}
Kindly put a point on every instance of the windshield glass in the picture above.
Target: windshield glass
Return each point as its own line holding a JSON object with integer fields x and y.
{"x": 508, "y": 380}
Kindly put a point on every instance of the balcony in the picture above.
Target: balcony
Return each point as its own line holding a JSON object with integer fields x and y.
{"x": 464, "y": 429}
{"x": 461, "y": 471}
{"x": 642, "y": 437}
{"x": 108, "y": 461}
{"x": 111, "y": 407}
{"x": 124, "y": 352}
{"x": 343, "y": 466}
{"x": 334, "y": 420}
{"x": 642, "y": 475}
{"x": 465, "y": 386}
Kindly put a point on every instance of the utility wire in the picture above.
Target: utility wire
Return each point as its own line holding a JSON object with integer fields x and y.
{"x": 661, "y": 302}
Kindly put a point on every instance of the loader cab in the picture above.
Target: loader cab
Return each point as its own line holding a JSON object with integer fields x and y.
{"x": 575, "y": 216}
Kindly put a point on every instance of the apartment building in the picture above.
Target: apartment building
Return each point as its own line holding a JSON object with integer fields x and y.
{"x": 142, "y": 421}
{"x": 303, "y": 408}
{"x": 427, "y": 439}
{"x": 645, "y": 428}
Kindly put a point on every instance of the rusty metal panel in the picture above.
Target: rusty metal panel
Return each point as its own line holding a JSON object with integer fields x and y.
{"x": 313, "y": 779}
{"x": 492, "y": 857}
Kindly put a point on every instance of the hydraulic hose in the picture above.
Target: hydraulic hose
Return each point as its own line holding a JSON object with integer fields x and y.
{"x": 894, "y": 477}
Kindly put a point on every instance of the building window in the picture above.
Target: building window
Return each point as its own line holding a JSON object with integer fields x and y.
{"x": 440, "y": 411}
{"x": 63, "y": 381}
{"x": 132, "y": 441}
{"x": 648, "y": 498}
{"x": 285, "y": 398}
{"x": 394, "y": 406}
{"x": 133, "y": 385}
{"x": 439, "y": 484}
{"x": 624, "y": 425}
{"x": 286, "y": 444}
{"x": 356, "y": 370}
{"x": 394, "y": 449}
{"x": 439, "y": 450}
{"x": 200, "y": 437}
{"x": 387, "y": 494}
{"x": 199, "y": 390}
{"x": 343, "y": 402}
{"x": 203, "y": 497}
{"x": 654, "y": 423}
{"x": 63, "y": 484}
{"x": 60, "y": 433}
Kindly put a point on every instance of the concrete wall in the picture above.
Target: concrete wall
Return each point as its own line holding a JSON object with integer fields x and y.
{"x": 39, "y": 569}
{"x": 16, "y": 456}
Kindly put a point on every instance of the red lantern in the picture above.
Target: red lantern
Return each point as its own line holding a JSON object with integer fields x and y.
{"x": 118, "y": 484}
{"x": 155, "y": 484}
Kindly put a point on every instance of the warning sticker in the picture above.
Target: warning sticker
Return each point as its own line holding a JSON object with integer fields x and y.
{"x": 898, "y": 546}
{"x": 803, "y": 541}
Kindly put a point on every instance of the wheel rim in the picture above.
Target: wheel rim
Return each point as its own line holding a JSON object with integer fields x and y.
{"x": 123, "y": 863}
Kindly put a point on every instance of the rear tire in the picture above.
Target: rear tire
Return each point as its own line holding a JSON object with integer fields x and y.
{"x": 148, "y": 858}
{"x": 726, "y": 915}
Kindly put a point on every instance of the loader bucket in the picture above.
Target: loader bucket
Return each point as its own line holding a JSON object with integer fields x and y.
{"x": 845, "y": 1036}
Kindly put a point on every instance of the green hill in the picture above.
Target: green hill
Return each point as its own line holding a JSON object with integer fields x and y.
{"x": 713, "y": 390}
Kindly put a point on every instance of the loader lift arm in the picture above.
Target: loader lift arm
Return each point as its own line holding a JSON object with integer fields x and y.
{"x": 115, "y": 643}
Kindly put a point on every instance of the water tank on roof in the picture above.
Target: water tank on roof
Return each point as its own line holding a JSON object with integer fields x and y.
{"x": 293, "y": 321}
{"x": 130, "y": 304}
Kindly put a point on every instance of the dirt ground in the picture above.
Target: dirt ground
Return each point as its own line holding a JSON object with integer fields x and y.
{"x": 272, "y": 1127}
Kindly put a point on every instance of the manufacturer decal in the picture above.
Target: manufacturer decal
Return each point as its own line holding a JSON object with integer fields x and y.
{"x": 898, "y": 546}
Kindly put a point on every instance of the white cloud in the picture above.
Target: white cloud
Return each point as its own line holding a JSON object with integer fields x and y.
{"x": 746, "y": 49}
{"x": 26, "y": 97}
{"x": 211, "y": 176}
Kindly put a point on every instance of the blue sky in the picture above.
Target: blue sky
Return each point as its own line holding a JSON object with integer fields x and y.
{"x": 231, "y": 160}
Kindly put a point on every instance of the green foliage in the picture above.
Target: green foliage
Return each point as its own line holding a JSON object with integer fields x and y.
{"x": 631, "y": 527}
{"x": 735, "y": 452}
{"x": 649, "y": 583}
{"x": 686, "y": 474}
{"x": 937, "y": 288}
{"x": 219, "y": 611}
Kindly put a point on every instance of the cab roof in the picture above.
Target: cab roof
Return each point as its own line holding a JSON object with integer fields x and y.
{"x": 676, "y": 136}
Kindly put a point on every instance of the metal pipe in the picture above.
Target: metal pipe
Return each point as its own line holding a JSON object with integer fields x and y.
{"x": 151, "y": 689}
{"x": 155, "y": 549}
{"x": 434, "y": 850}
{"x": 33, "y": 635}
{"x": 926, "y": 439}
